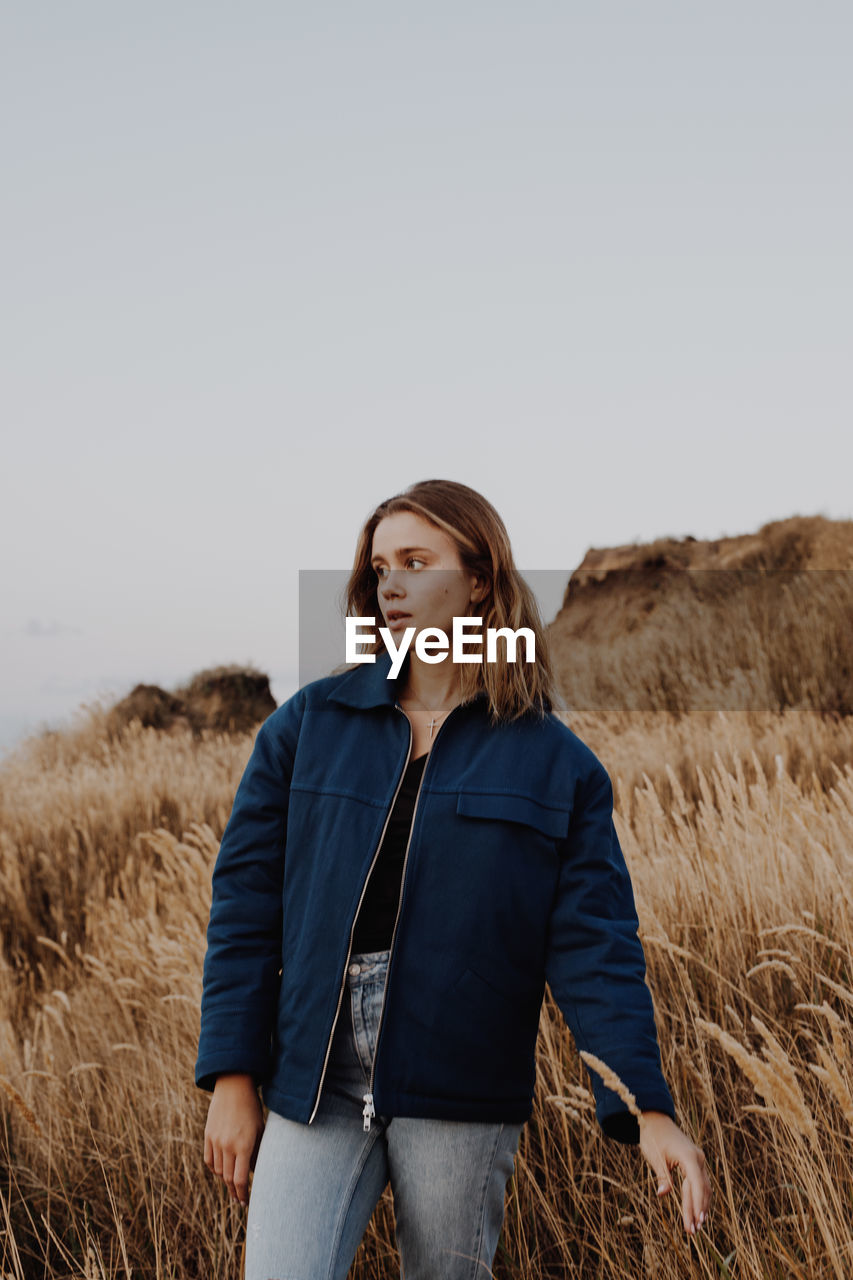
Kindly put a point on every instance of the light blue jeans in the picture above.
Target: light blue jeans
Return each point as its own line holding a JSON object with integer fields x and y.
{"x": 315, "y": 1187}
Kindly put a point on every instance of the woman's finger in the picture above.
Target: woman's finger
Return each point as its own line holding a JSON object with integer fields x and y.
{"x": 228, "y": 1171}
{"x": 696, "y": 1179}
{"x": 241, "y": 1177}
{"x": 687, "y": 1201}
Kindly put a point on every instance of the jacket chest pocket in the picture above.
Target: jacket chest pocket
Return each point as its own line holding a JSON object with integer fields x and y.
{"x": 504, "y": 807}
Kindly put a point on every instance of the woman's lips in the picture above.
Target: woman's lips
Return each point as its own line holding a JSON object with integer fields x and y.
{"x": 400, "y": 621}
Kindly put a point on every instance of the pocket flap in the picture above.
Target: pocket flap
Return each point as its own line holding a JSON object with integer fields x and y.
{"x": 514, "y": 808}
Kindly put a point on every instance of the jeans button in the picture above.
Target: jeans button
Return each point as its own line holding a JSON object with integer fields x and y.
{"x": 355, "y": 968}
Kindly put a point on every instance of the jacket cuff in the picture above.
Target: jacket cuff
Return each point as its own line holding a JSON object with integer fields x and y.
{"x": 232, "y": 1042}
{"x": 621, "y": 1125}
{"x": 210, "y": 1068}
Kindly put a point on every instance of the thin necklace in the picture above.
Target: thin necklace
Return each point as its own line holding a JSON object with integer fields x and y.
{"x": 431, "y": 710}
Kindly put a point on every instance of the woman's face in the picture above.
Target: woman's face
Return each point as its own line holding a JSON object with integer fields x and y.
{"x": 419, "y": 574}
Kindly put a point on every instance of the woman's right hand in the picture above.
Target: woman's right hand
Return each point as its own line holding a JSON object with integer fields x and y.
{"x": 232, "y": 1135}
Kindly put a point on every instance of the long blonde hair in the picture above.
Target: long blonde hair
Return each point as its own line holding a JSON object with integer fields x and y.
{"x": 513, "y": 688}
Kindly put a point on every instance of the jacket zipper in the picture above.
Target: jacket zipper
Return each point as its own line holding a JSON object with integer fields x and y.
{"x": 355, "y": 917}
{"x": 369, "y": 1109}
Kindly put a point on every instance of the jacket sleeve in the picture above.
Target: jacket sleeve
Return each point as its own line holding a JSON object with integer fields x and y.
{"x": 595, "y": 964}
{"x": 242, "y": 964}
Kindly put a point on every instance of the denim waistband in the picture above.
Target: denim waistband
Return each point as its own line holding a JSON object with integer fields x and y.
{"x": 369, "y": 963}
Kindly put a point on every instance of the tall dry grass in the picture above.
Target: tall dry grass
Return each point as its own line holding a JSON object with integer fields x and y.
{"x": 738, "y": 831}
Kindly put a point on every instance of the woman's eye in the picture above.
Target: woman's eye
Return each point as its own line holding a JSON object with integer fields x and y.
{"x": 380, "y": 569}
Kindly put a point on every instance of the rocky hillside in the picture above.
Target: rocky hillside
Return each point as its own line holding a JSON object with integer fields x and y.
{"x": 760, "y": 620}
{"x": 232, "y": 699}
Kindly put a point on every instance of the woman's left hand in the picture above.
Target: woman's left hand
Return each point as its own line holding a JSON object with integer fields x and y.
{"x": 664, "y": 1145}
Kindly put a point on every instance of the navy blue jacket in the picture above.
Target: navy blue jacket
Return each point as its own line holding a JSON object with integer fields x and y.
{"x": 513, "y": 876}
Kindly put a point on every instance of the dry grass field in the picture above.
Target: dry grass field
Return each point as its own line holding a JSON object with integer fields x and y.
{"x": 737, "y": 826}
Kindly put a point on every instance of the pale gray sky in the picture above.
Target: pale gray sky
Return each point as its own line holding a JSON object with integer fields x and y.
{"x": 264, "y": 265}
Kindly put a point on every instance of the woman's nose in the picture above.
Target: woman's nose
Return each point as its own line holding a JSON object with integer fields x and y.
{"x": 390, "y": 588}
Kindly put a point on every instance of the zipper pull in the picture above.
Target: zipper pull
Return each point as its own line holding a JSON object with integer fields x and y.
{"x": 368, "y": 1110}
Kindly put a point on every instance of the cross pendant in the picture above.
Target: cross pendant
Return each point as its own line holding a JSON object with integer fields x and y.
{"x": 432, "y": 725}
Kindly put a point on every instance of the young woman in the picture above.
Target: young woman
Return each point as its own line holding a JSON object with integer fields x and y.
{"x": 408, "y": 861}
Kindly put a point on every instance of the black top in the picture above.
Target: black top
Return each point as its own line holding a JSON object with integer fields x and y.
{"x": 374, "y": 923}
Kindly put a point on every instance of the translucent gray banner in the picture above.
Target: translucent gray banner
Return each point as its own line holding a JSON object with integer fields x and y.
{"x": 649, "y": 638}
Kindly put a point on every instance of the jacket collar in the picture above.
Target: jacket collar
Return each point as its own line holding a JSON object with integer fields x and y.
{"x": 367, "y": 684}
